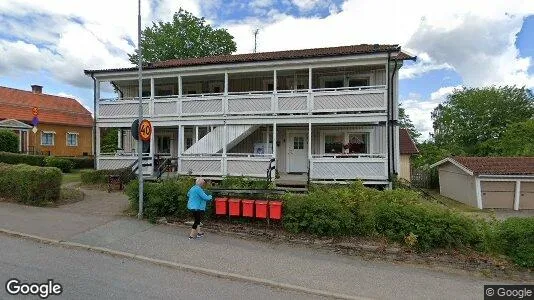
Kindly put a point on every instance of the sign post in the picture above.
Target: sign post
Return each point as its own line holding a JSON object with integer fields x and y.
{"x": 140, "y": 142}
{"x": 35, "y": 122}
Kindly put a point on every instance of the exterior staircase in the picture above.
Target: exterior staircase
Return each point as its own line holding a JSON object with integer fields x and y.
{"x": 213, "y": 142}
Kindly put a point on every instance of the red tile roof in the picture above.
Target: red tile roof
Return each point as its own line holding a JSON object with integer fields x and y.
{"x": 18, "y": 104}
{"x": 497, "y": 165}
{"x": 270, "y": 56}
{"x": 406, "y": 143}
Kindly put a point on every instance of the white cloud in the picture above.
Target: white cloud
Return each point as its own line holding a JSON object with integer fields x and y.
{"x": 473, "y": 38}
{"x": 306, "y": 5}
{"x": 71, "y": 36}
{"x": 420, "y": 110}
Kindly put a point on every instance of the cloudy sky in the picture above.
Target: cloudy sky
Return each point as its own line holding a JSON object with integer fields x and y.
{"x": 458, "y": 42}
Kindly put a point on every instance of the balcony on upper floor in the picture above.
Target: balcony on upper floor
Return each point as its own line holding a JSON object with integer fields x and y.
{"x": 355, "y": 89}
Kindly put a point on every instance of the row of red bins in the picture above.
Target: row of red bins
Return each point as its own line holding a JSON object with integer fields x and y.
{"x": 260, "y": 209}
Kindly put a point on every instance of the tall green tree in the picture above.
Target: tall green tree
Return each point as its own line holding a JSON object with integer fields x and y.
{"x": 474, "y": 119}
{"x": 186, "y": 36}
{"x": 110, "y": 139}
{"x": 9, "y": 141}
{"x": 406, "y": 122}
{"x": 517, "y": 140}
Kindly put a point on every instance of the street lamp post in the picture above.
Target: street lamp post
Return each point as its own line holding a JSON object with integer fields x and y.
{"x": 139, "y": 141}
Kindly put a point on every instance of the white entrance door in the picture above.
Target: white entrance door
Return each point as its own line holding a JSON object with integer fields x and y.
{"x": 297, "y": 152}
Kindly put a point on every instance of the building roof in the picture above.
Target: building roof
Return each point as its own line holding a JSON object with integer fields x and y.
{"x": 18, "y": 104}
{"x": 406, "y": 143}
{"x": 14, "y": 124}
{"x": 271, "y": 56}
{"x": 492, "y": 165}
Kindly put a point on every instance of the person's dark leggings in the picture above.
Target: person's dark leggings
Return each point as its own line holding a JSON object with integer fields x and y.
{"x": 197, "y": 214}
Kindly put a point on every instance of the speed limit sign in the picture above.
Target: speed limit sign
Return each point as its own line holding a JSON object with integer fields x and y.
{"x": 145, "y": 130}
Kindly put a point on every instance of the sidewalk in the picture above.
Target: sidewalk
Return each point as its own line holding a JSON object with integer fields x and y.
{"x": 290, "y": 264}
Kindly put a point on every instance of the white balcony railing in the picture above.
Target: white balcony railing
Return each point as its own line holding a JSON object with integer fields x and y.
{"x": 349, "y": 167}
{"x": 353, "y": 99}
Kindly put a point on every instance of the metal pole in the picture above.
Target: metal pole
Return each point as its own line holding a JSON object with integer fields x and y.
{"x": 139, "y": 141}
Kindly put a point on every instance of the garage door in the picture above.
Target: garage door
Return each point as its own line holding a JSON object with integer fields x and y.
{"x": 527, "y": 195}
{"x": 497, "y": 194}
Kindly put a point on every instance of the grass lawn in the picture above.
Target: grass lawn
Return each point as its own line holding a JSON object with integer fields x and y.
{"x": 453, "y": 204}
{"x": 73, "y": 176}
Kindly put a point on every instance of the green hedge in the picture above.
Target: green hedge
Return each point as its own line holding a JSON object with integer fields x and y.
{"x": 165, "y": 198}
{"x": 64, "y": 165}
{"x": 15, "y": 158}
{"x": 29, "y": 184}
{"x": 9, "y": 141}
{"x": 400, "y": 215}
{"x": 238, "y": 182}
{"x": 101, "y": 176}
{"x": 39, "y": 160}
{"x": 517, "y": 240}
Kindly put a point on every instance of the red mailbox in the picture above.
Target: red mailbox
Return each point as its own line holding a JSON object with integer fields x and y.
{"x": 220, "y": 206}
{"x": 248, "y": 208}
{"x": 261, "y": 209}
{"x": 275, "y": 210}
{"x": 234, "y": 206}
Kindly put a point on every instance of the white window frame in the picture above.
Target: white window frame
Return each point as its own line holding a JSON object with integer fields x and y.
{"x": 346, "y": 134}
{"x": 53, "y": 133}
{"x": 345, "y": 79}
{"x": 67, "y": 138}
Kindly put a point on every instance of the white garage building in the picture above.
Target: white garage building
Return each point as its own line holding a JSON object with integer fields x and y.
{"x": 488, "y": 182}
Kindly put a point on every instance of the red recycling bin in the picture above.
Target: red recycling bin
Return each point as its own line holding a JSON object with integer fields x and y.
{"x": 248, "y": 208}
{"x": 220, "y": 206}
{"x": 261, "y": 209}
{"x": 275, "y": 210}
{"x": 234, "y": 207}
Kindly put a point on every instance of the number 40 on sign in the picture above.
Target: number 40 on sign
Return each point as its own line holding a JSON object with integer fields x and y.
{"x": 145, "y": 130}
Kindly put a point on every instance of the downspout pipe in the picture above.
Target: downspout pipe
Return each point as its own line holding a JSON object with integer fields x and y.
{"x": 393, "y": 121}
{"x": 94, "y": 120}
{"x": 387, "y": 121}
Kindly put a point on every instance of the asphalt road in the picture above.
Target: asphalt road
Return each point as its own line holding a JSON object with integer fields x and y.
{"x": 90, "y": 275}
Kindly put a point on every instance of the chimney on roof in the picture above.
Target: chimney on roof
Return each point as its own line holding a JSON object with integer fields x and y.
{"x": 37, "y": 89}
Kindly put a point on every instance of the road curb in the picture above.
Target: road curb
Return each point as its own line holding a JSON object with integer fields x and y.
{"x": 190, "y": 268}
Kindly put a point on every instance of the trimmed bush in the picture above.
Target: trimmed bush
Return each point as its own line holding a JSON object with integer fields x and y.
{"x": 15, "y": 158}
{"x": 517, "y": 240}
{"x": 161, "y": 199}
{"x": 432, "y": 226}
{"x": 238, "y": 182}
{"x": 81, "y": 162}
{"x": 30, "y": 184}
{"x": 64, "y": 165}
{"x": 101, "y": 176}
{"x": 9, "y": 141}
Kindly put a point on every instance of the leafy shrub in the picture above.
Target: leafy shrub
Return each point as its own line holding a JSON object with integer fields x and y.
{"x": 239, "y": 182}
{"x": 101, "y": 176}
{"x": 164, "y": 198}
{"x": 517, "y": 240}
{"x": 81, "y": 162}
{"x": 316, "y": 215}
{"x": 30, "y": 184}
{"x": 434, "y": 226}
{"x": 64, "y": 165}
{"x": 9, "y": 141}
{"x": 15, "y": 158}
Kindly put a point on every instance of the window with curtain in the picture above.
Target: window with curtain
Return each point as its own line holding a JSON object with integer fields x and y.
{"x": 358, "y": 143}
{"x": 47, "y": 139}
{"x": 72, "y": 139}
{"x": 333, "y": 143}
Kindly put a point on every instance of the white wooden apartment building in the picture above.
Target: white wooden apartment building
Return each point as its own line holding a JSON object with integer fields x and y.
{"x": 328, "y": 113}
